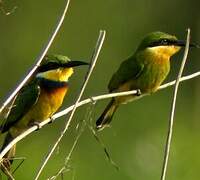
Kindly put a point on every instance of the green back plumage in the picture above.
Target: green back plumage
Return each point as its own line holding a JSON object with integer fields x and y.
{"x": 25, "y": 99}
{"x": 129, "y": 69}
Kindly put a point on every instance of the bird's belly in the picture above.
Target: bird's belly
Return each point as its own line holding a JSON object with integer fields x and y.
{"x": 147, "y": 82}
{"x": 152, "y": 79}
{"x": 47, "y": 104}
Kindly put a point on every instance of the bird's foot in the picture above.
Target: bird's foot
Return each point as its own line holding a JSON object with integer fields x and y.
{"x": 92, "y": 100}
{"x": 51, "y": 120}
{"x": 35, "y": 123}
{"x": 138, "y": 92}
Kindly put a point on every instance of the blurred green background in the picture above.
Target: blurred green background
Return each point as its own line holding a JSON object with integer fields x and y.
{"x": 137, "y": 136}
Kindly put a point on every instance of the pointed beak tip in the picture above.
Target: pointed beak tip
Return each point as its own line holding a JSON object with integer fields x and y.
{"x": 86, "y": 63}
{"x": 83, "y": 63}
{"x": 182, "y": 43}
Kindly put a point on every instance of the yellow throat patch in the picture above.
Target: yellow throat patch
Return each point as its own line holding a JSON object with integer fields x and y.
{"x": 165, "y": 50}
{"x": 61, "y": 74}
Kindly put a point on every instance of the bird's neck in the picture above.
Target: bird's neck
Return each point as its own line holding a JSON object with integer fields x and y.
{"x": 157, "y": 55}
{"x": 51, "y": 84}
{"x": 59, "y": 75}
{"x": 164, "y": 52}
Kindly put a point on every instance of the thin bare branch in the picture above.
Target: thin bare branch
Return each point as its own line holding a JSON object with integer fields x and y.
{"x": 81, "y": 103}
{"x": 184, "y": 78}
{"x": 173, "y": 108}
{"x": 39, "y": 59}
{"x": 68, "y": 122}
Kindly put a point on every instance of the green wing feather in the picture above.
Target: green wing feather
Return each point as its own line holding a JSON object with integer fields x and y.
{"x": 25, "y": 99}
{"x": 129, "y": 69}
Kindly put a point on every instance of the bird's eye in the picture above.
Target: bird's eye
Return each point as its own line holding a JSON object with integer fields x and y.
{"x": 164, "y": 41}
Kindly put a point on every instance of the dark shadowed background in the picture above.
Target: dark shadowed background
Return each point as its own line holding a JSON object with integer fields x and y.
{"x": 137, "y": 136}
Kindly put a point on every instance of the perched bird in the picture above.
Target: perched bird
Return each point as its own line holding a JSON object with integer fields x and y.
{"x": 144, "y": 71}
{"x": 39, "y": 99}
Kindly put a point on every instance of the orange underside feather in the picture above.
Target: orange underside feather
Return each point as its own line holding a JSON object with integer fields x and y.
{"x": 48, "y": 103}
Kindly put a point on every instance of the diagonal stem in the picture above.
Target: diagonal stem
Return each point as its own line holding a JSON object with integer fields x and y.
{"x": 93, "y": 62}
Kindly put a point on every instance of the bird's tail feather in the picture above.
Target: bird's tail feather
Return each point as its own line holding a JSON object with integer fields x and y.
{"x": 106, "y": 117}
{"x": 8, "y": 158}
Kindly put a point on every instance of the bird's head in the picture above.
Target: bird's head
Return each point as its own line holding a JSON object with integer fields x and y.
{"x": 57, "y": 67}
{"x": 162, "y": 43}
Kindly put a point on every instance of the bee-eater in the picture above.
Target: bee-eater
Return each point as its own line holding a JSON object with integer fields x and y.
{"x": 39, "y": 99}
{"x": 144, "y": 71}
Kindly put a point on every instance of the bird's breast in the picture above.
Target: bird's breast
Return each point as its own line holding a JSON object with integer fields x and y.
{"x": 50, "y": 99}
{"x": 51, "y": 96}
{"x": 154, "y": 73}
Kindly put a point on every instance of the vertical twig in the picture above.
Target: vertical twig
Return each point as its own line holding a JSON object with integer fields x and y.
{"x": 93, "y": 62}
{"x": 39, "y": 59}
{"x": 173, "y": 107}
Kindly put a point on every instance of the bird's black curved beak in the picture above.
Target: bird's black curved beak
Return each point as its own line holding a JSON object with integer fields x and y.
{"x": 182, "y": 43}
{"x": 75, "y": 63}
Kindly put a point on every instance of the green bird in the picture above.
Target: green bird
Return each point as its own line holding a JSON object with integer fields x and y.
{"x": 144, "y": 71}
{"x": 39, "y": 99}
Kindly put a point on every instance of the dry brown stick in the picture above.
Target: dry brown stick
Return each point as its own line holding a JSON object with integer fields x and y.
{"x": 173, "y": 108}
{"x": 39, "y": 59}
{"x": 81, "y": 103}
{"x": 95, "y": 55}
{"x": 7, "y": 172}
